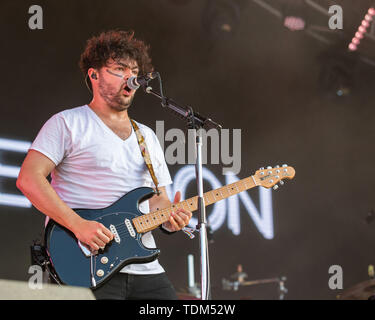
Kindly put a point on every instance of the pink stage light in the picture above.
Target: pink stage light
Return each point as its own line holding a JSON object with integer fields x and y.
{"x": 359, "y": 35}
{"x": 356, "y": 41}
{"x": 352, "y": 47}
{"x": 294, "y": 23}
{"x": 365, "y": 23}
{"x": 362, "y": 29}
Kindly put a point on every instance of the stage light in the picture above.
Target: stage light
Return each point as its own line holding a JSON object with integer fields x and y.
{"x": 337, "y": 72}
{"x": 352, "y": 47}
{"x": 362, "y": 29}
{"x": 359, "y": 35}
{"x": 294, "y": 15}
{"x": 220, "y": 18}
{"x": 356, "y": 41}
{"x": 294, "y": 23}
{"x": 365, "y": 23}
{"x": 368, "y": 17}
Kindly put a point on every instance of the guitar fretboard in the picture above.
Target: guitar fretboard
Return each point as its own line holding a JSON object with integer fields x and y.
{"x": 154, "y": 219}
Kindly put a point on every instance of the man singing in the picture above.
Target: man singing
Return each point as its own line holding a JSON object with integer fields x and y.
{"x": 94, "y": 158}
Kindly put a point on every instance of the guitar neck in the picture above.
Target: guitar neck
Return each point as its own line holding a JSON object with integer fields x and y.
{"x": 154, "y": 219}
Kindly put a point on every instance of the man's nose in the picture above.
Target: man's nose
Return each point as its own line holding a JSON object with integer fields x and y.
{"x": 129, "y": 73}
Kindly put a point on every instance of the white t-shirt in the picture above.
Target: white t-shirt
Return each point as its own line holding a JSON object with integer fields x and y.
{"x": 95, "y": 167}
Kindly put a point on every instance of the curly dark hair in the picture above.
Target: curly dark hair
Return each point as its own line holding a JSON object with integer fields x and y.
{"x": 114, "y": 44}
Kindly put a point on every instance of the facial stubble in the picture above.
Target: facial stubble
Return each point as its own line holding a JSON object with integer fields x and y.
{"x": 115, "y": 99}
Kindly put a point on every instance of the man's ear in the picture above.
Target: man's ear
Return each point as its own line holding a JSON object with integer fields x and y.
{"x": 92, "y": 73}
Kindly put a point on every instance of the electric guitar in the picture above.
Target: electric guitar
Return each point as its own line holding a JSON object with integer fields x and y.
{"x": 76, "y": 265}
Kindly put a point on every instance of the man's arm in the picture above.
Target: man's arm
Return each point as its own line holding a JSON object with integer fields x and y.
{"x": 32, "y": 182}
{"x": 179, "y": 219}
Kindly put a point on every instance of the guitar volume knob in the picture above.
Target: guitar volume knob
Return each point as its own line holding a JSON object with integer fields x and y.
{"x": 100, "y": 273}
{"x": 104, "y": 260}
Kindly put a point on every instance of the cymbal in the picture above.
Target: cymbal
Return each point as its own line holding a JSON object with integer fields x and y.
{"x": 362, "y": 291}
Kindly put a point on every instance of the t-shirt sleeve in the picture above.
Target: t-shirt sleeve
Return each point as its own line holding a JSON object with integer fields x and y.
{"x": 52, "y": 139}
{"x": 160, "y": 166}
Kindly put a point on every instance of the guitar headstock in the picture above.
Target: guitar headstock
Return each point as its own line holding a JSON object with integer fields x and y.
{"x": 269, "y": 177}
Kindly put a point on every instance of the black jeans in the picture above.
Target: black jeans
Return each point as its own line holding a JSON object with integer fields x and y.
{"x": 124, "y": 286}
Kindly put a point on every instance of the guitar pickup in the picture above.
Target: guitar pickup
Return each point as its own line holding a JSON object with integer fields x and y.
{"x": 130, "y": 227}
{"x": 114, "y": 231}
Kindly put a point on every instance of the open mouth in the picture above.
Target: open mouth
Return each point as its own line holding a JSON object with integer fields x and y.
{"x": 127, "y": 91}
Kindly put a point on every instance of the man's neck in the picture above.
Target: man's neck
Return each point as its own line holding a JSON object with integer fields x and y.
{"x": 104, "y": 111}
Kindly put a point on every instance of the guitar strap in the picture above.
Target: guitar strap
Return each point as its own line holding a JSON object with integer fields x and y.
{"x": 145, "y": 154}
{"x": 147, "y": 158}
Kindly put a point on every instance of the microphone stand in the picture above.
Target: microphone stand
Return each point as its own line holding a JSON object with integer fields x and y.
{"x": 196, "y": 122}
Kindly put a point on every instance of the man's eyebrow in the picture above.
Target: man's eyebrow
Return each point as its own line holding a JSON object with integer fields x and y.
{"x": 127, "y": 66}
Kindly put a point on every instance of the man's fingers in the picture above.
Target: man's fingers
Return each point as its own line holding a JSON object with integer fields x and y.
{"x": 103, "y": 237}
{"x": 99, "y": 242}
{"x": 181, "y": 219}
{"x": 185, "y": 215}
{"x": 174, "y": 224}
{"x": 93, "y": 246}
{"x": 177, "y": 197}
{"x": 107, "y": 233}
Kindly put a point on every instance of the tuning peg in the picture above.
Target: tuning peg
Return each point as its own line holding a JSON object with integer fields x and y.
{"x": 277, "y": 166}
{"x": 269, "y": 167}
{"x": 262, "y": 168}
{"x": 275, "y": 187}
{"x": 285, "y": 165}
{"x": 281, "y": 182}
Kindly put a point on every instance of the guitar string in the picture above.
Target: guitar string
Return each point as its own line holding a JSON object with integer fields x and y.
{"x": 212, "y": 193}
{"x": 123, "y": 229}
{"x": 124, "y": 233}
{"x": 161, "y": 211}
{"x": 122, "y": 224}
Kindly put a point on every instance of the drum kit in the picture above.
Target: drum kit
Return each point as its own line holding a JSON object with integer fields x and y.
{"x": 362, "y": 291}
{"x": 236, "y": 281}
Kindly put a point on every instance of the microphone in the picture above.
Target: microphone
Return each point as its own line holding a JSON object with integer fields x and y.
{"x": 135, "y": 82}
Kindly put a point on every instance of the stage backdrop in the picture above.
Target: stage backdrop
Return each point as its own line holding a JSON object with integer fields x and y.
{"x": 263, "y": 80}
